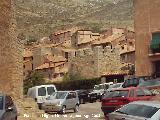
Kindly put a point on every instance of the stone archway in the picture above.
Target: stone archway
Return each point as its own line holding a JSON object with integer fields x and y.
{"x": 11, "y": 60}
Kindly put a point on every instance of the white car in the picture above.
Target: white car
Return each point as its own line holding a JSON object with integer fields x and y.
{"x": 139, "y": 110}
{"x": 40, "y": 93}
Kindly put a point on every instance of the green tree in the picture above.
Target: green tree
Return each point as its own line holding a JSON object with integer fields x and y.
{"x": 31, "y": 39}
{"x": 132, "y": 70}
{"x": 33, "y": 79}
{"x": 66, "y": 77}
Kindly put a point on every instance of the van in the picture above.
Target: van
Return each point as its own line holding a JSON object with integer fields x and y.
{"x": 40, "y": 93}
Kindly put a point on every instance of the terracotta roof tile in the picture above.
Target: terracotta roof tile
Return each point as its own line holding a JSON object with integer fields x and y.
{"x": 114, "y": 73}
{"x": 108, "y": 39}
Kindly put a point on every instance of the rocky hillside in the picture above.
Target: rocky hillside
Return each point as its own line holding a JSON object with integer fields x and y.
{"x": 38, "y": 18}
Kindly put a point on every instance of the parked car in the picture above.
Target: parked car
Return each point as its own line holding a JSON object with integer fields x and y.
{"x": 139, "y": 110}
{"x": 8, "y": 110}
{"x": 133, "y": 82}
{"x": 112, "y": 87}
{"x": 119, "y": 97}
{"x": 40, "y": 93}
{"x": 83, "y": 96}
{"x": 61, "y": 101}
{"x": 150, "y": 83}
{"x": 115, "y": 86}
{"x": 98, "y": 91}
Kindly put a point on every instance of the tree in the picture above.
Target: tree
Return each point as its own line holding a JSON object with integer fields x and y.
{"x": 33, "y": 79}
{"x": 131, "y": 70}
{"x": 66, "y": 77}
{"x": 31, "y": 39}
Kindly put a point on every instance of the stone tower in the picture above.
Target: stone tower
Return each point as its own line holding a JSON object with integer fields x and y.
{"x": 11, "y": 65}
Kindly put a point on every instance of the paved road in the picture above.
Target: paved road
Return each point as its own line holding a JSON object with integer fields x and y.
{"x": 89, "y": 111}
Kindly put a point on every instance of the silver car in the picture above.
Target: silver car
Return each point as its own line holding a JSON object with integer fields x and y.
{"x": 61, "y": 101}
{"x": 140, "y": 110}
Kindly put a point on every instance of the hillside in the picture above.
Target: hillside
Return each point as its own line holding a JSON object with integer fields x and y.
{"x": 38, "y": 18}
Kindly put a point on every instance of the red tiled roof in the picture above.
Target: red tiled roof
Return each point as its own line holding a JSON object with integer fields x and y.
{"x": 114, "y": 73}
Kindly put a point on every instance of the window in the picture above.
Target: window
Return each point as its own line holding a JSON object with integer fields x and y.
{"x": 60, "y": 95}
{"x": 50, "y": 90}
{"x": 131, "y": 93}
{"x": 117, "y": 93}
{"x": 140, "y": 92}
{"x": 73, "y": 95}
{"x": 42, "y": 91}
{"x": 147, "y": 92}
{"x": 155, "y": 43}
{"x": 1, "y": 102}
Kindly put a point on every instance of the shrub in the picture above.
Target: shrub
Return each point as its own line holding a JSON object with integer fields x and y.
{"x": 33, "y": 79}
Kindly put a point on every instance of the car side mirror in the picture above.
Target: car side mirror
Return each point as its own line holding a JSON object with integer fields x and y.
{"x": 9, "y": 109}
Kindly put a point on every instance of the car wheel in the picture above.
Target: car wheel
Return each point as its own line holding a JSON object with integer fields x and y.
{"x": 63, "y": 110}
{"x": 76, "y": 109}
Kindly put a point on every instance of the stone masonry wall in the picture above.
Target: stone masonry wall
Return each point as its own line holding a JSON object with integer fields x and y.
{"x": 93, "y": 62}
{"x": 11, "y": 65}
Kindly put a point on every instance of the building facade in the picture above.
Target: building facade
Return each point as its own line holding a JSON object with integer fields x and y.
{"x": 27, "y": 62}
{"x": 147, "y": 27}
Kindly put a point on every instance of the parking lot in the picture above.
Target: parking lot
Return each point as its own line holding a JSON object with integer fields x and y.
{"x": 90, "y": 111}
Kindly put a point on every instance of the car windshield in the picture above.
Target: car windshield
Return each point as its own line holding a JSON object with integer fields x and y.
{"x": 1, "y": 102}
{"x": 150, "y": 83}
{"x": 138, "y": 110}
{"x": 59, "y": 95}
{"x": 117, "y": 93}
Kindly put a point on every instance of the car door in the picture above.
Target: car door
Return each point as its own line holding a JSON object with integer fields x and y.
{"x": 69, "y": 101}
{"x": 73, "y": 99}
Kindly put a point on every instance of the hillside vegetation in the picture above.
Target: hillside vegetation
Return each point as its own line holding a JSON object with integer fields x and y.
{"x": 38, "y": 18}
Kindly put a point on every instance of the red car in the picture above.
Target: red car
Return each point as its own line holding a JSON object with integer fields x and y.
{"x": 119, "y": 97}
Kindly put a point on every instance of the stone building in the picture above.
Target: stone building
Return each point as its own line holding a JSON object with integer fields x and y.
{"x": 147, "y": 27}
{"x": 39, "y": 52}
{"x": 83, "y": 38}
{"x": 53, "y": 68}
{"x": 27, "y": 62}
{"x": 60, "y": 37}
{"x": 93, "y": 62}
{"x": 11, "y": 48}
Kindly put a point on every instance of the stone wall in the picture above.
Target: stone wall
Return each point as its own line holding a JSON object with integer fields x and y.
{"x": 11, "y": 60}
{"x": 38, "y": 55}
{"x": 93, "y": 62}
